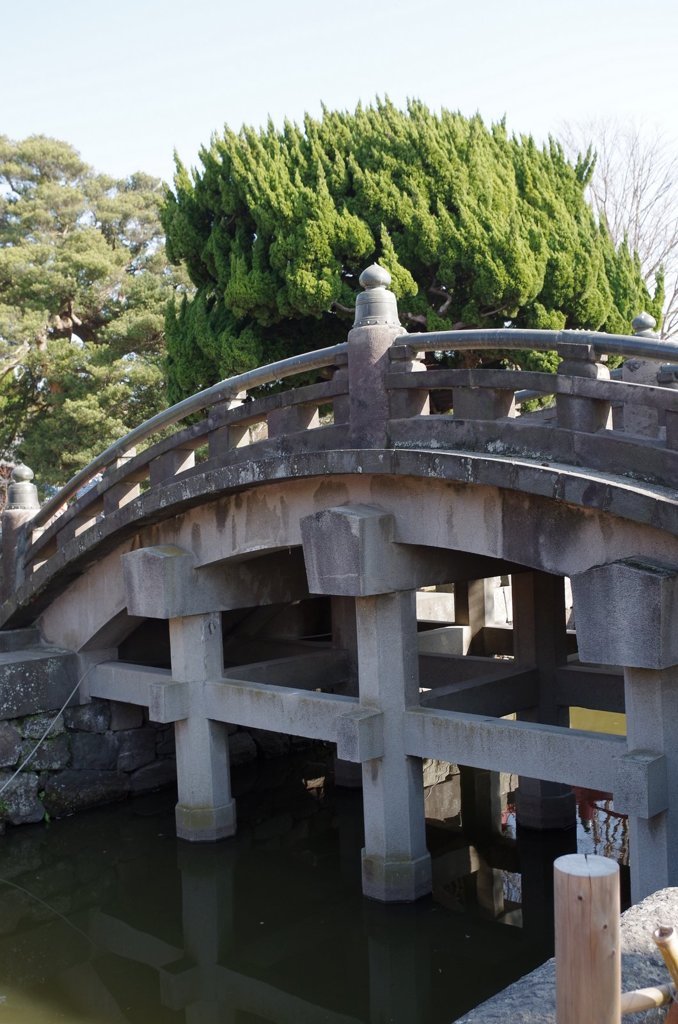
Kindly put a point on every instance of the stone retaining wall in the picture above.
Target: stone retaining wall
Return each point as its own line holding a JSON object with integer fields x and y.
{"x": 95, "y": 754}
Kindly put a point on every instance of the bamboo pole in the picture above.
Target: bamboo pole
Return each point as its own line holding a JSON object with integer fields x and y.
{"x": 646, "y": 998}
{"x": 588, "y": 945}
{"x": 666, "y": 941}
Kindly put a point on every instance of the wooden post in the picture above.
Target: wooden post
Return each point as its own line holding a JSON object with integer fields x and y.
{"x": 588, "y": 944}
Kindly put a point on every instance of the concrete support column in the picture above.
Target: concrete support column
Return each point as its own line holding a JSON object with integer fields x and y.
{"x": 626, "y": 615}
{"x": 395, "y": 862}
{"x": 346, "y": 773}
{"x": 652, "y": 724}
{"x": 540, "y": 640}
{"x": 205, "y": 810}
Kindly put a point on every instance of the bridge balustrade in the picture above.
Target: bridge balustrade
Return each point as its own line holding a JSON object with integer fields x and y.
{"x": 236, "y": 420}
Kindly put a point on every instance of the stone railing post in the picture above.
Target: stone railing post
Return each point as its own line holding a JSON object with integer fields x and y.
{"x": 640, "y": 419}
{"x": 375, "y": 328}
{"x": 22, "y": 504}
{"x": 576, "y": 413}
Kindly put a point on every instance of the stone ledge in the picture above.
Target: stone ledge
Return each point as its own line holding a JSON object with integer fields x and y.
{"x": 532, "y": 1000}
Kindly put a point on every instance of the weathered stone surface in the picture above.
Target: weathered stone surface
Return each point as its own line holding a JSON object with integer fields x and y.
{"x": 73, "y": 790}
{"x": 35, "y": 680}
{"x": 125, "y": 716}
{"x": 164, "y": 740}
{"x": 91, "y": 750}
{"x": 136, "y": 747}
{"x": 269, "y": 744}
{"x": 19, "y": 803}
{"x": 53, "y": 752}
{"x": 153, "y": 776}
{"x": 241, "y": 749}
{"x": 93, "y": 717}
{"x": 35, "y": 726}
{"x": 10, "y": 745}
{"x": 532, "y": 1000}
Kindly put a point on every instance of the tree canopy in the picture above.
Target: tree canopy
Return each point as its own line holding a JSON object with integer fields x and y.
{"x": 476, "y": 228}
{"x": 84, "y": 283}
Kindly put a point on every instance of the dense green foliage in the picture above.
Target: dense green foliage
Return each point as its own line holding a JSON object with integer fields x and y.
{"x": 475, "y": 227}
{"x": 84, "y": 284}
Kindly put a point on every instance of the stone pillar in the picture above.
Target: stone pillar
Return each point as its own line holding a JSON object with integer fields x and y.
{"x": 641, "y": 419}
{"x": 205, "y": 809}
{"x": 346, "y": 773}
{"x": 651, "y": 699}
{"x": 375, "y": 328}
{"x": 22, "y": 504}
{"x": 626, "y": 615}
{"x": 396, "y": 863}
{"x": 349, "y": 552}
{"x": 577, "y": 413}
{"x": 540, "y": 639}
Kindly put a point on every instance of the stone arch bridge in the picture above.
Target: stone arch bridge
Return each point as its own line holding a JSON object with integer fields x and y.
{"x": 284, "y": 540}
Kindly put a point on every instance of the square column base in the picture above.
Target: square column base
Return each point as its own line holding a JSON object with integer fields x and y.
{"x": 205, "y": 824}
{"x": 396, "y": 881}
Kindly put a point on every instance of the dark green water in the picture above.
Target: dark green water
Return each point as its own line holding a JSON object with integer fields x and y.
{"x": 107, "y": 917}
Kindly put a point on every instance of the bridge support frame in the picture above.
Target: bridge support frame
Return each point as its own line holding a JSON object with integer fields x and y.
{"x": 205, "y": 810}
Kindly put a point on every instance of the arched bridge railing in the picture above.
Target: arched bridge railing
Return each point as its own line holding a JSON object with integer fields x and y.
{"x": 373, "y": 396}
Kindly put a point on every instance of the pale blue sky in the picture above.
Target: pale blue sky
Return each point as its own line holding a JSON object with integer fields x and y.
{"x": 126, "y": 82}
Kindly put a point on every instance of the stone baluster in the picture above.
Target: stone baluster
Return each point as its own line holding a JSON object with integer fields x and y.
{"x": 291, "y": 419}
{"x": 223, "y": 436}
{"x": 586, "y": 415}
{"x": 340, "y": 405}
{"x": 22, "y": 504}
{"x": 125, "y": 490}
{"x": 163, "y": 468}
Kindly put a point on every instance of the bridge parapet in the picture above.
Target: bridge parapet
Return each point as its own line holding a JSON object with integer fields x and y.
{"x": 373, "y": 395}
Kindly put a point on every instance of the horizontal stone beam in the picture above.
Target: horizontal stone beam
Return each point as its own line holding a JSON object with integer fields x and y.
{"x": 539, "y": 751}
{"x": 315, "y": 669}
{"x": 586, "y": 686}
{"x": 131, "y": 684}
{"x": 163, "y": 582}
{"x": 501, "y": 695}
{"x": 351, "y": 551}
{"x": 281, "y": 708}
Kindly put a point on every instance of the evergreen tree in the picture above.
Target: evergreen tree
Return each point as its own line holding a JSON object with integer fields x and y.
{"x": 84, "y": 284}
{"x": 478, "y": 229}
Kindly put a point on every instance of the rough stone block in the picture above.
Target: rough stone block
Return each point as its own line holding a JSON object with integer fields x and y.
{"x": 72, "y": 790}
{"x": 54, "y": 752}
{"x": 10, "y": 745}
{"x": 19, "y": 804}
{"x": 93, "y": 717}
{"x": 35, "y": 726}
{"x": 36, "y": 680}
{"x": 350, "y": 552}
{"x": 94, "y": 751}
{"x": 125, "y": 716}
{"x": 241, "y": 749}
{"x": 153, "y": 776}
{"x": 164, "y": 741}
{"x": 269, "y": 744}
{"x": 626, "y": 613}
{"x": 136, "y": 748}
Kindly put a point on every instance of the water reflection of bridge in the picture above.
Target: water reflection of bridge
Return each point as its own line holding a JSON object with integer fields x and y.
{"x": 218, "y": 933}
{"x": 333, "y": 505}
